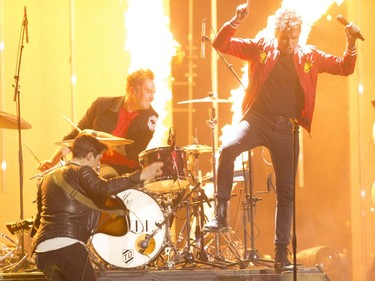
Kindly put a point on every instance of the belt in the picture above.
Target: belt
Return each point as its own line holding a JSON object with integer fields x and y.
{"x": 281, "y": 119}
{"x": 275, "y": 118}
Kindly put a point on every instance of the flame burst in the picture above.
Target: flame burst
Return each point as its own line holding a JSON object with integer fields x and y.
{"x": 311, "y": 11}
{"x": 151, "y": 45}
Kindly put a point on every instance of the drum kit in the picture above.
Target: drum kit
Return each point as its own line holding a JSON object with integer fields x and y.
{"x": 153, "y": 208}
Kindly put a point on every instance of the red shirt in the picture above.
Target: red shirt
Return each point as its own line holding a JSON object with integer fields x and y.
{"x": 114, "y": 157}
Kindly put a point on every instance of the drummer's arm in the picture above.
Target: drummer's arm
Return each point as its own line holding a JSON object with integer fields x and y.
{"x": 54, "y": 159}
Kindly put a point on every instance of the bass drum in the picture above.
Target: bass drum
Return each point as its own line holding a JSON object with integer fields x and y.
{"x": 144, "y": 240}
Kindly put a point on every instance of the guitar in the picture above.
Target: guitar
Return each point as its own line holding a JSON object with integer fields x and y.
{"x": 115, "y": 225}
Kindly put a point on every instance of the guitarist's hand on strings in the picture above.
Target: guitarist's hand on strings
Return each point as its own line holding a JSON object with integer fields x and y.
{"x": 151, "y": 171}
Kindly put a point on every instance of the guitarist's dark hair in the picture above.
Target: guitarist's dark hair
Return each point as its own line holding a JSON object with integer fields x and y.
{"x": 84, "y": 144}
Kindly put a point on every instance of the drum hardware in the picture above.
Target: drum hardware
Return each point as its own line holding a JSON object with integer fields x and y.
{"x": 251, "y": 255}
{"x": 186, "y": 256}
{"x": 21, "y": 225}
{"x": 212, "y": 121}
{"x": 230, "y": 244}
{"x": 17, "y": 228}
{"x": 200, "y": 216}
{"x": 199, "y": 197}
{"x": 7, "y": 252}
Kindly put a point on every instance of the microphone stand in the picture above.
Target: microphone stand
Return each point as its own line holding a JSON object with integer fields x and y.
{"x": 21, "y": 255}
{"x": 229, "y": 66}
{"x": 294, "y": 154}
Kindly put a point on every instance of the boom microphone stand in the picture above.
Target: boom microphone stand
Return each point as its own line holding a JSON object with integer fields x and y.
{"x": 24, "y": 32}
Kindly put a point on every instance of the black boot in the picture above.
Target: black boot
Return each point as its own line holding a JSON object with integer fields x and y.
{"x": 219, "y": 222}
{"x": 282, "y": 261}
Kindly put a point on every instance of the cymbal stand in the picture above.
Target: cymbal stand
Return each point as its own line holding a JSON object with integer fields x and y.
{"x": 212, "y": 123}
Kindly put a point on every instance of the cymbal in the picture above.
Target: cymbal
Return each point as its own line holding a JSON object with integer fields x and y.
{"x": 209, "y": 99}
{"x": 105, "y": 138}
{"x": 198, "y": 148}
{"x": 9, "y": 121}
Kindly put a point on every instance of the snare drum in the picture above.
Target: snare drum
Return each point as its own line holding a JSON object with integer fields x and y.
{"x": 145, "y": 238}
{"x": 175, "y": 172}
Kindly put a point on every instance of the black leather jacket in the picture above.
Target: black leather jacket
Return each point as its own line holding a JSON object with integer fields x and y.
{"x": 61, "y": 215}
{"x": 103, "y": 115}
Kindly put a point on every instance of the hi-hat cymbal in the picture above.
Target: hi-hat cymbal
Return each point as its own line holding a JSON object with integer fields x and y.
{"x": 209, "y": 99}
{"x": 9, "y": 121}
{"x": 198, "y": 148}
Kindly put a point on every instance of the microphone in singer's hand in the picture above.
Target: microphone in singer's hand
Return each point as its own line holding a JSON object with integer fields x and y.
{"x": 344, "y": 22}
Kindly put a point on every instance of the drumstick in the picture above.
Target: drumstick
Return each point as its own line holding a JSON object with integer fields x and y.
{"x": 71, "y": 123}
{"x": 28, "y": 147}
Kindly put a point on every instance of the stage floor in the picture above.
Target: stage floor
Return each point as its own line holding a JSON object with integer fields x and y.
{"x": 189, "y": 273}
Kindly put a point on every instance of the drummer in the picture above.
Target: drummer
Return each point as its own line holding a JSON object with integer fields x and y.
{"x": 130, "y": 117}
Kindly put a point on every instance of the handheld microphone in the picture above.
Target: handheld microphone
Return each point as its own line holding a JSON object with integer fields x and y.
{"x": 203, "y": 39}
{"x": 344, "y": 22}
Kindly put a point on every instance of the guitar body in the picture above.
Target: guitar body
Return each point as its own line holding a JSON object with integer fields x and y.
{"x": 109, "y": 224}
{"x": 146, "y": 227}
{"x": 114, "y": 225}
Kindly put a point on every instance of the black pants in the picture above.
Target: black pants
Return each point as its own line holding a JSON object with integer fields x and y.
{"x": 70, "y": 263}
{"x": 276, "y": 134}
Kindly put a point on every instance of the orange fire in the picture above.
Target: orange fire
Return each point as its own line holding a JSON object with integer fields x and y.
{"x": 151, "y": 45}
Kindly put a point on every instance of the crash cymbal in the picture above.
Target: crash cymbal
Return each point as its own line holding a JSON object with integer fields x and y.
{"x": 209, "y": 99}
{"x": 198, "y": 148}
{"x": 9, "y": 121}
{"x": 110, "y": 141}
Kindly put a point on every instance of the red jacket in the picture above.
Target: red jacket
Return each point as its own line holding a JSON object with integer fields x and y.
{"x": 262, "y": 55}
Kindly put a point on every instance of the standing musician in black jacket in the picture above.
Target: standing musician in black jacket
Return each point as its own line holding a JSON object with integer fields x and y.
{"x": 131, "y": 117}
{"x": 65, "y": 223}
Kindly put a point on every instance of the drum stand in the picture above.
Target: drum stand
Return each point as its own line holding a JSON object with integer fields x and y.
{"x": 249, "y": 205}
{"x": 186, "y": 255}
{"x": 212, "y": 124}
{"x": 18, "y": 229}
